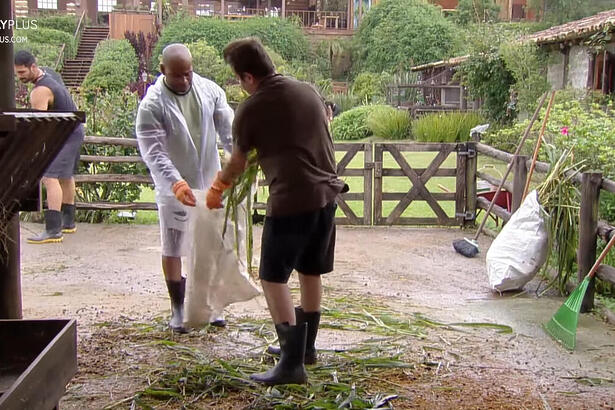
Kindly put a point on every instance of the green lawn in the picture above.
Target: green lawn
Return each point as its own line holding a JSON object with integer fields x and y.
{"x": 417, "y": 208}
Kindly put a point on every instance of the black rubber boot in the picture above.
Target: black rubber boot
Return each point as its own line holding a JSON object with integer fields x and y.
{"x": 177, "y": 291}
{"x": 290, "y": 369}
{"x": 313, "y": 321}
{"x": 53, "y": 229}
{"x": 68, "y": 218}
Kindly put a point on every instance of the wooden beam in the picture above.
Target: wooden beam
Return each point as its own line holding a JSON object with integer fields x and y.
{"x": 141, "y": 206}
{"x": 111, "y": 159}
{"x": 136, "y": 179}
{"x": 588, "y": 228}
{"x": 10, "y": 274}
{"x": 125, "y": 142}
{"x": 498, "y": 211}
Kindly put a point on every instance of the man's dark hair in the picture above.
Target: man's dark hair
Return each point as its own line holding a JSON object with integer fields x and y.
{"x": 249, "y": 56}
{"x": 25, "y": 58}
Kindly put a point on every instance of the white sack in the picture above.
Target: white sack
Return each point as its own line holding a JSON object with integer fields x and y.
{"x": 521, "y": 248}
{"x": 216, "y": 276}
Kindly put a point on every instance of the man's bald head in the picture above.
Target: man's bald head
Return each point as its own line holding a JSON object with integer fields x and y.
{"x": 177, "y": 67}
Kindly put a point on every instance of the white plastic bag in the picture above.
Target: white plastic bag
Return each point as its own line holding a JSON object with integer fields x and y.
{"x": 216, "y": 276}
{"x": 521, "y": 248}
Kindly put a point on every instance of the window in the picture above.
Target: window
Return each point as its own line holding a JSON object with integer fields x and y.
{"x": 106, "y": 6}
{"x": 48, "y": 4}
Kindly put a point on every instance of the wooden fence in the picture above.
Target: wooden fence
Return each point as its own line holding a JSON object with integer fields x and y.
{"x": 373, "y": 196}
{"x": 371, "y": 171}
{"x": 590, "y": 228}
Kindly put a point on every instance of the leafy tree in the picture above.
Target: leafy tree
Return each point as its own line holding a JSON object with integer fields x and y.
{"x": 206, "y": 61}
{"x": 561, "y": 11}
{"x": 402, "y": 33}
{"x": 477, "y": 11}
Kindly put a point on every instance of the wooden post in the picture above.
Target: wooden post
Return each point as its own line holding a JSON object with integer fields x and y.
{"x": 471, "y": 169}
{"x": 10, "y": 283}
{"x": 222, "y": 9}
{"x": 519, "y": 180}
{"x": 588, "y": 229}
{"x": 460, "y": 183}
{"x": 368, "y": 174}
{"x": 283, "y": 9}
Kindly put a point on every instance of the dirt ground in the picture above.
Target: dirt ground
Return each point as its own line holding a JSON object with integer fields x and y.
{"x": 110, "y": 274}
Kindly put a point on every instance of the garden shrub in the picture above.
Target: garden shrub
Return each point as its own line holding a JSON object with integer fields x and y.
{"x": 476, "y": 11}
{"x": 65, "y": 23}
{"x": 45, "y": 44}
{"x": 445, "y": 127}
{"x": 402, "y": 33}
{"x": 389, "y": 123}
{"x": 114, "y": 67}
{"x": 371, "y": 87}
{"x": 352, "y": 124}
{"x": 206, "y": 61}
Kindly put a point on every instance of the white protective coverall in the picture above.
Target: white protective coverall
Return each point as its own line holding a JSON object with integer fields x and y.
{"x": 170, "y": 153}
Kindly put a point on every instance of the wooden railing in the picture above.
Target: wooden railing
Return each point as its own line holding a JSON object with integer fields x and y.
{"x": 590, "y": 227}
{"x": 326, "y": 20}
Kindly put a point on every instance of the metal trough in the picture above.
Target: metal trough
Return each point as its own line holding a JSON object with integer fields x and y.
{"x": 37, "y": 360}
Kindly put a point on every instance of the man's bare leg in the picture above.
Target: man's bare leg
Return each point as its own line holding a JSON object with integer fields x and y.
{"x": 68, "y": 190}
{"x": 279, "y": 301}
{"x": 54, "y": 193}
{"x": 311, "y": 292}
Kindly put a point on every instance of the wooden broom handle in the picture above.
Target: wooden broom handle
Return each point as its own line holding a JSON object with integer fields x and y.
{"x": 606, "y": 249}
{"x": 537, "y": 148}
{"x": 512, "y": 161}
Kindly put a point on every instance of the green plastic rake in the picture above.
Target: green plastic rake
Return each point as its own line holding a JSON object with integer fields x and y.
{"x": 563, "y": 325}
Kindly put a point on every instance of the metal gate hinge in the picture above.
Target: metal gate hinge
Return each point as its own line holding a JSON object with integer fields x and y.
{"x": 469, "y": 153}
{"x": 468, "y": 216}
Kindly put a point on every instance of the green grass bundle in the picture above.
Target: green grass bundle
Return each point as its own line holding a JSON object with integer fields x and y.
{"x": 389, "y": 123}
{"x": 560, "y": 199}
{"x": 242, "y": 191}
{"x": 445, "y": 127}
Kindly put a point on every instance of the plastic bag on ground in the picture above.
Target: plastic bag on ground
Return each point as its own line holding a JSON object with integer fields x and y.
{"x": 521, "y": 248}
{"x": 216, "y": 277}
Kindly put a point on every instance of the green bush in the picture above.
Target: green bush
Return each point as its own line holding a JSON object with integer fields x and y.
{"x": 282, "y": 35}
{"x": 476, "y": 11}
{"x": 46, "y": 43}
{"x": 389, "y": 123}
{"x": 65, "y": 23}
{"x": 402, "y": 33}
{"x": 207, "y": 62}
{"x": 580, "y": 123}
{"x": 352, "y": 124}
{"x": 371, "y": 88}
{"x": 445, "y": 127}
{"x": 114, "y": 67}
{"x": 486, "y": 76}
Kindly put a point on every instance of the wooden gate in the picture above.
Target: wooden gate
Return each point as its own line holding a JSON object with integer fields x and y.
{"x": 419, "y": 177}
{"x": 351, "y": 150}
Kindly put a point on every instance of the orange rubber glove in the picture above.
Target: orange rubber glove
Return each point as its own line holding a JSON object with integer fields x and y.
{"x": 214, "y": 194}
{"x": 183, "y": 193}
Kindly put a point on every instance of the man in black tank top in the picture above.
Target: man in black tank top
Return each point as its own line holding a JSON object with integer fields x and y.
{"x": 58, "y": 178}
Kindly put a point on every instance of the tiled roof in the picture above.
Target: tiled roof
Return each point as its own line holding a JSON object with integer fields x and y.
{"x": 575, "y": 29}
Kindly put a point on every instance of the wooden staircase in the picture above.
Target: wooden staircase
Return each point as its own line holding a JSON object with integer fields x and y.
{"x": 74, "y": 71}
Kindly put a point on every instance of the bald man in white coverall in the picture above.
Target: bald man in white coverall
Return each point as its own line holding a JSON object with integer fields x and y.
{"x": 176, "y": 130}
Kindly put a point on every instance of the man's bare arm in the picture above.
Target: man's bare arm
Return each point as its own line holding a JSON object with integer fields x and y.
{"x": 41, "y": 98}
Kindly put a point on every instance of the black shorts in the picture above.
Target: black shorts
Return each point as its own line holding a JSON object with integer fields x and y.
{"x": 304, "y": 242}
{"x": 65, "y": 163}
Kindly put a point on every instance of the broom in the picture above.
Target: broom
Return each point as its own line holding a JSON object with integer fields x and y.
{"x": 469, "y": 247}
{"x": 563, "y": 325}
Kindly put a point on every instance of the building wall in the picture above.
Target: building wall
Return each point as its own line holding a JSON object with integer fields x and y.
{"x": 578, "y": 67}
{"x": 555, "y": 71}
